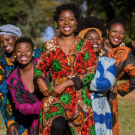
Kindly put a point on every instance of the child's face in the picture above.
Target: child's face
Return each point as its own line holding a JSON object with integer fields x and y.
{"x": 24, "y": 53}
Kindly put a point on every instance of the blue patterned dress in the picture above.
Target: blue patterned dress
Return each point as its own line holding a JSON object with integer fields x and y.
{"x": 6, "y": 105}
{"x": 103, "y": 81}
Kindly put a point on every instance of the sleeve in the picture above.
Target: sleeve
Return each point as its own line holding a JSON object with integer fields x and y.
{"x": 85, "y": 66}
{"x": 43, "y": 63}
{"x": 5, "y": 103}
{"x": 105, "y": 82}
{"x": 20, "y": 104}
{"x": 129, "y": 67}
{"x": 37, "y": 52}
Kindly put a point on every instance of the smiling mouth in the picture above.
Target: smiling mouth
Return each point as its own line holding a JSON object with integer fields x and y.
{"x": 116, "y": 40}
{"x": 24, "y": 58}
{"x": 8, "y": 48}
{"x": 67, "y": 29}
{"x": 96, "y": 46}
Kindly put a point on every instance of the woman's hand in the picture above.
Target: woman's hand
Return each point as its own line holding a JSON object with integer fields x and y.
{"x": 43, "y": 87}
{"x": 11, "y": 130}
{"x": 61, "y": 87}
{"x": 114, "y": 89}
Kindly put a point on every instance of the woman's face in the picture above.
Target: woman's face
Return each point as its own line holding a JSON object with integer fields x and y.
{"x": 24, "y": 53}
{"x": 67, "y": 22}
{"x": 116, "y": 34}
{"x": 7, "y": 42}
{"x": 94, "y": 38}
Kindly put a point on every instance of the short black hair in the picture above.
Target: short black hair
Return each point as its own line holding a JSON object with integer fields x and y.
{"x": 24, "y": 39}
{"x": 89, "y": 22}
{"x": 116, "y": 20}
{"x": 70, "y": 6}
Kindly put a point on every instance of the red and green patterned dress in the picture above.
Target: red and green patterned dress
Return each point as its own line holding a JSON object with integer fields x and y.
{"x": 74, "y": 103}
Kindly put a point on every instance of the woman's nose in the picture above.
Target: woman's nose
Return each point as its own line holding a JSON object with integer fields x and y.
{"x": 5, "y": 43}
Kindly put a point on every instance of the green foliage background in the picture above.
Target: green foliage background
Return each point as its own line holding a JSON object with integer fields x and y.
{"x": 33, "y": 16}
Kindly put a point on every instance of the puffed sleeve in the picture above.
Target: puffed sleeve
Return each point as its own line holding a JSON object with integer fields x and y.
{"x": 129, "y": 67}
{"x": 85, "y": 65}
{"x": 18, "y": 98}
{"x": 106, "y": 78}
{"x": 43, "y": 63}
{"x": 5, "y": 106}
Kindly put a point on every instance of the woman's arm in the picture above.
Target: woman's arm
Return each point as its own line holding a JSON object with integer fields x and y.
{"x": 20, "y": 104}
{"x": 84, "y": 66}
{"x": 84, "y": 70}
{"x": 128, "y": 86}
{"x": 104, "y": 82}
{"x": 41, "y": 69}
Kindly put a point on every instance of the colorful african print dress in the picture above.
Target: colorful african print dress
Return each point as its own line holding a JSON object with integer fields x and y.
{"x": 74, "y": 103}
{"x": 125, "y": 63}
{"x": 103, "y": 81}
{"x": 27, "y": 103}
{"x": 6, "y": 104}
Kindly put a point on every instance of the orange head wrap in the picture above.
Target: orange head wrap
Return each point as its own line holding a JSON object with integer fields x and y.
{"x": 83, "y": 32}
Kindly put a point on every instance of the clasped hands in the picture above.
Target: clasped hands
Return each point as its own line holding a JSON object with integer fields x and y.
{"x": 43, "y": 87}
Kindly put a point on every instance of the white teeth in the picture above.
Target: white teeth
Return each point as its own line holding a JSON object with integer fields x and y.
{"x": 116, "y": 39}
{"x": 7, "y": 48}
{"x": 66, "y": 29}
{"x": 95, "y": 45}
{"x": 23, "y": 58}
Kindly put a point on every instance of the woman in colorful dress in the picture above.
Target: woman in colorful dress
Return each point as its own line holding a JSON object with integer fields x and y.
{"x": 114, "y": 47}
{"x": 67, "y": 109}
{"x": 8, "y": 35}
{"x": 20, "y": 83}
{"x": 91, "y": 28}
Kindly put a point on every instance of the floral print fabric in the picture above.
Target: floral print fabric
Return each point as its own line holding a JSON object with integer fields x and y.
{"x": 74, "y": 103}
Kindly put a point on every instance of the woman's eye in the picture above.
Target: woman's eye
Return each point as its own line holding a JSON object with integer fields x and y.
{"x": 18, "y": 51}
{"x": 27, "y": 50}
{"x": 7, "y": 39}
{"x": 61, "y": 19}
{"x": 72, "y": 19}
{"x": 122, "y": 33}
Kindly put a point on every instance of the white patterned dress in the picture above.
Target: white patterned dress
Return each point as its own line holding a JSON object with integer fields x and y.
{"x": 103, "y": 81}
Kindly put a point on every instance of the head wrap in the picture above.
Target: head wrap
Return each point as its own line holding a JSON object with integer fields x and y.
{"x": 83, "y": 32}
{"x": 11, "y": 30}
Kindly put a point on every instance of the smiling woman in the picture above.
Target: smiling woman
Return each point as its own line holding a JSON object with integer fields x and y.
{"x": 115, "y": 47}
{"x": 71, "y": 60}
{"x": 105, "y": 76}
{"x": 21, "y": 86}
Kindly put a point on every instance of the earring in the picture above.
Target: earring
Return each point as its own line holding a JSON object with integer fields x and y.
{"x": 122, "y": 44}
{"x": 101, "y": 53}
{"x": 14, "y": 56}
{"x": 33, "y": 54}
{"x": 76, "y": 29}
{"x": 107, "y": 41}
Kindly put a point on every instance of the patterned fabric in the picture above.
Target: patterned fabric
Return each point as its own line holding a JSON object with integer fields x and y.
{"x": 73, "y": 104}
{"x": 103, "y": 81}
{"x": 6, "y": 104}
{"x": 125, "y": 63}
{"x": 25, "y": 102}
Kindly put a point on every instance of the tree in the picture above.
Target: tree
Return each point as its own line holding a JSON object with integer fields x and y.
{"x": 107, "y": 10}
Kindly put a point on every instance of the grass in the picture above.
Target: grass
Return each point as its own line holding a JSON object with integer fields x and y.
{"x": 126, "y": 109}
